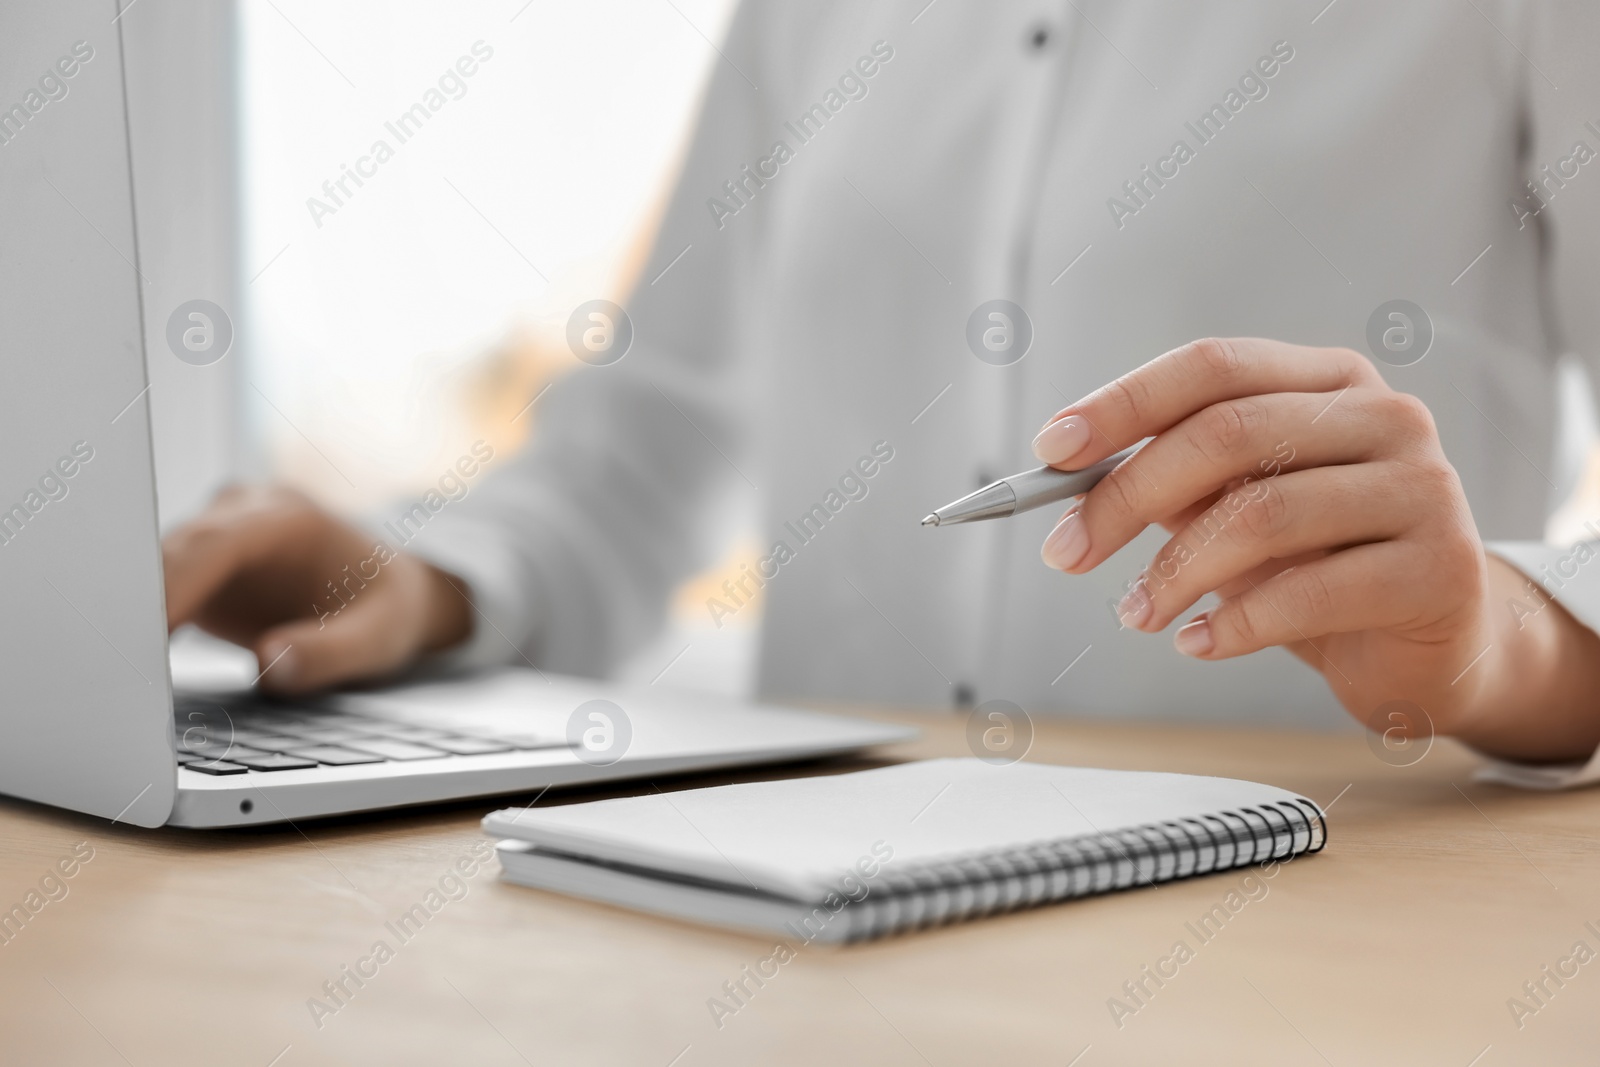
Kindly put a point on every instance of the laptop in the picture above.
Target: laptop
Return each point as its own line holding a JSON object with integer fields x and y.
{"x": 90, "y": 716}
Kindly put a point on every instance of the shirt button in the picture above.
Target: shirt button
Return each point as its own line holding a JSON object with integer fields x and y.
{"x": 985, "y": 478}
{"x": 1039, "y": 37}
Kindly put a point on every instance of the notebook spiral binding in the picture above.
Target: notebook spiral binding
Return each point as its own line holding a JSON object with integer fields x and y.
{"x": 970, "y": 887}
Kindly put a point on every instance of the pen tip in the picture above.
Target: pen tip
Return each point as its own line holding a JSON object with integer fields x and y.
{"x": 930, "y": 520}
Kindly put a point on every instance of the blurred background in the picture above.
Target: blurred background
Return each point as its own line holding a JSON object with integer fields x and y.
{"x": 383, "y": 327}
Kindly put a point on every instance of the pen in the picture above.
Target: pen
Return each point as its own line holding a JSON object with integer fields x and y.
{"x": 1025, "y": 491}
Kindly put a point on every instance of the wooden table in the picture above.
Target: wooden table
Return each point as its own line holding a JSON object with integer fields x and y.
{"x": 1401, "y": 943}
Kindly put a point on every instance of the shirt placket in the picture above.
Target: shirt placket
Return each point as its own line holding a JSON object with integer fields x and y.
{"x": 1000, "y": 392}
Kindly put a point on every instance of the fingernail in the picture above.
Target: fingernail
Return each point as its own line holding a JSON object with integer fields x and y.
{"x": 1194, "y": 637}
{"x": 1134, "y": 611}
{"x": 1067, "y": 544}
{"x": 1062, "y": 439}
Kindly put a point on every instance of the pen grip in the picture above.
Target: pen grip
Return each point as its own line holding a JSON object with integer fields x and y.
{"x": 1046, "y": 485}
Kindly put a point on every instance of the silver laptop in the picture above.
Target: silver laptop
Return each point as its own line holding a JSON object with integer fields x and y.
{"x": 89, "y": 717}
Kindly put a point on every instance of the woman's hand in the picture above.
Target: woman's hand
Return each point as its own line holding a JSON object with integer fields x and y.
{"x": 318, "y": 601}
{"x": 1317, "y": 503}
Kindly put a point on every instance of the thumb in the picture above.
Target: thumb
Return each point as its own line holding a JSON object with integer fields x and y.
{"x": 304, "y": 655}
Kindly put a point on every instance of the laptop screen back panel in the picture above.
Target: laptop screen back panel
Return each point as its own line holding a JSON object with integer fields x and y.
{"x": 86, "y": 714}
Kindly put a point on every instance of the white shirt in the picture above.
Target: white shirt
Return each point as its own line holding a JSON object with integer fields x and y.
{"x": 800, "y": 313}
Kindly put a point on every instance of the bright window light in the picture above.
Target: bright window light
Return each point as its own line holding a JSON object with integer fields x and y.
{"x": 430, "y": 189}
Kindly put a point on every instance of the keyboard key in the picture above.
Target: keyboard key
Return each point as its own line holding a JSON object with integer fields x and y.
{"x": 469, "y": 746}
{"x": 277, "y": 717}
{"x": 215, "y": 767}
{"x": 276, "y": 763}
{"x": 339, "y": 719}
{"x": 208, "y": 730}
{"x": 222, "y": 751}
{"x": 401, "y": 731}
{"x": 196, "y": 738}
{"x": 329, "y": 735}
{"x": 395, "y": 750}
{"x": 272, "y": 729}
{"x": 531, "y": 741}
{"x": 323, "y": 721}
{"x": 267, "y": 742}
{"x": 334, "y": 755}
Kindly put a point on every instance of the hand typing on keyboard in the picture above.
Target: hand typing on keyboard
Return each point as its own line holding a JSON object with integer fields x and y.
{"x": 318, "y": 601}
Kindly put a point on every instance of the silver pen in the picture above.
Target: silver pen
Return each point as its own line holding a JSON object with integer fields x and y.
{"x": 1026, "y": 491}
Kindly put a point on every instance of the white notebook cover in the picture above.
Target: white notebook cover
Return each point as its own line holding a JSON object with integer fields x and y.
{"x": 800, "y": 840}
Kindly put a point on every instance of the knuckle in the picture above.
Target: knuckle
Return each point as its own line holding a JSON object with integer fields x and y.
{"x": 1119, "y": 494}
{"x": 1263, "y": 518}
{"x": 1217, "y": 357}
{"x": 1459, "y": 558}
{"x": 1129, "y": 398}
{"x": 1209, "y": 525}
{"x": 200, "y": 535}
{"x": 1356, "y": 366}
{"x": 238, "y": 501}
{"x": 281, "y": 506}
{"x": 281, "y": 496}
{"x": 1408, "y": 414}
{"x": 1306, "y": 594}
{"x": 1167, "y": 566}
{"x": 1437, "y": 481}
{"x": 1234, "y": 627}
{"x": 1227, "y": 428}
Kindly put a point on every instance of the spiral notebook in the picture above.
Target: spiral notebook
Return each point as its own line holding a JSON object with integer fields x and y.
{"x": 852, "y": 856}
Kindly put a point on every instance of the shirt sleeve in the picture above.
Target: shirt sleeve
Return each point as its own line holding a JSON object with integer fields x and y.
{"x": 1566, "y": 575}
{"x": 572, "y": 547}
{"x": 1549, "y": 207}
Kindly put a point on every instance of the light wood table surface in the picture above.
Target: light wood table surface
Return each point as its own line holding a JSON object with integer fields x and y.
{"x": 1402, "y": 943}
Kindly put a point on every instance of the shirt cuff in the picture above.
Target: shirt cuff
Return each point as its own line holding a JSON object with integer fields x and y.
{"x": 1540, "y": 776}
{"x": 1563, "y": 574}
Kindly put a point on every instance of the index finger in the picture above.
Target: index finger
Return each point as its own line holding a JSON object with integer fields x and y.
{"x": 1171, "y": 387}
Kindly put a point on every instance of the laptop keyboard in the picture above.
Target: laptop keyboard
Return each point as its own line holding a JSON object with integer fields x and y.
{"x": 252, "y": 735}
